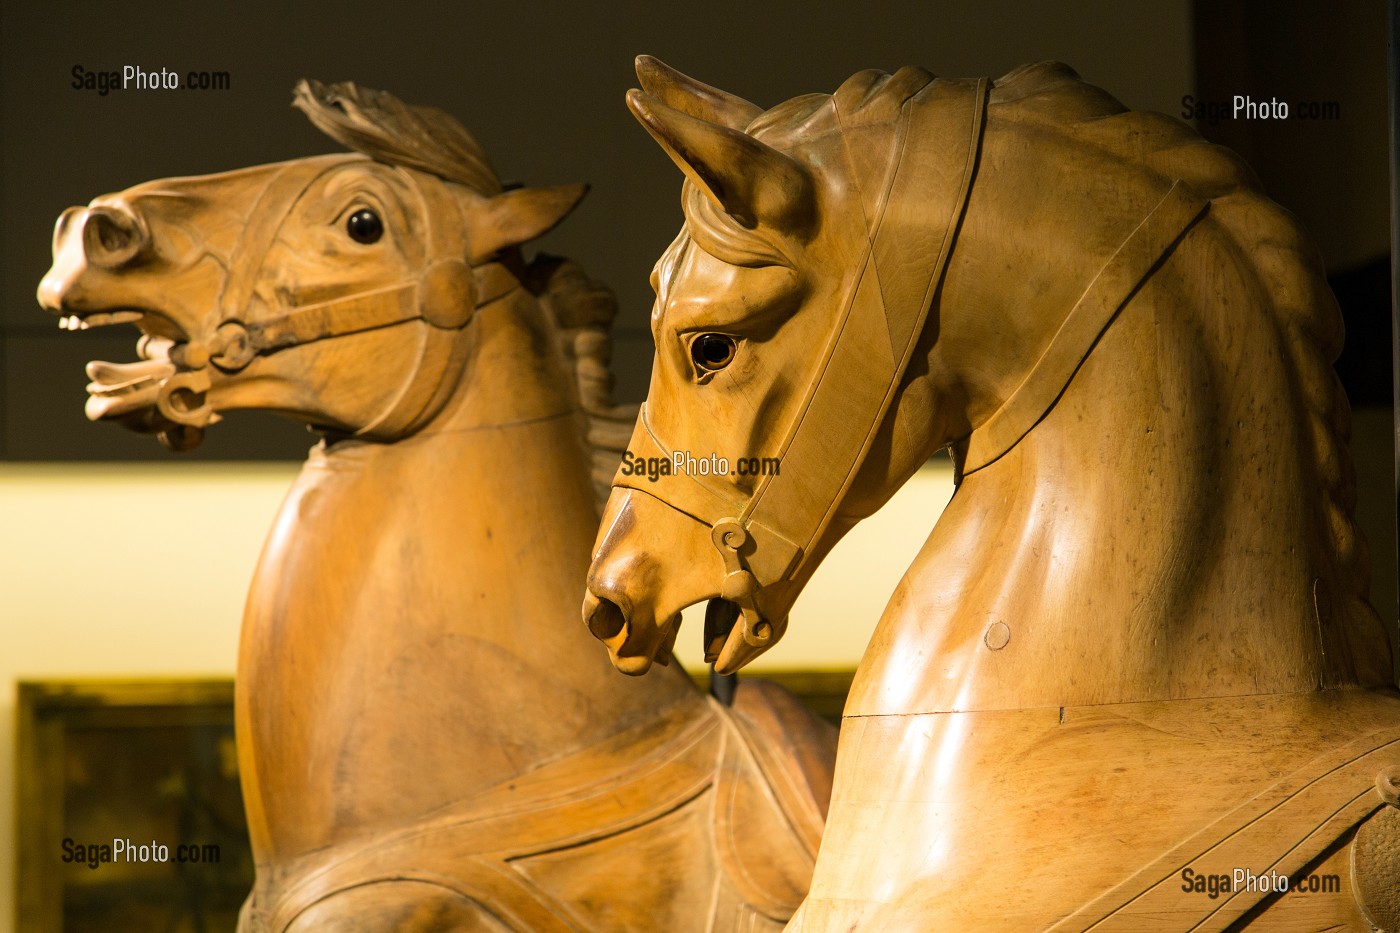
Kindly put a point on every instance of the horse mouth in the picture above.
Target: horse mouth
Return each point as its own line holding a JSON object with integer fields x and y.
{"x": 149, "y": 321}
{"x": 128, "y": 391}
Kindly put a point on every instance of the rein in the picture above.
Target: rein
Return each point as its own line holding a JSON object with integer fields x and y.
{"x": 445, "y": 294}
{"x": 1131, "y": 265}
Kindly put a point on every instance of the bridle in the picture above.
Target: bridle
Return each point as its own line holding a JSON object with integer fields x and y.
{"x": 764, "y": 538}
{"x": 444, "y": 294}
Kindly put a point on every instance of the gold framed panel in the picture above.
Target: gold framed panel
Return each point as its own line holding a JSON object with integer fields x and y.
{"x": 149, "y": 763}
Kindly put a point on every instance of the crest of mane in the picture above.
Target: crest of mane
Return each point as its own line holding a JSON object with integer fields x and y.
{"x": 1284, "y": 266}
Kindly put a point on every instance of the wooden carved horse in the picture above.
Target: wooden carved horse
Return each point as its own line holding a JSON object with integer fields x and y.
{"x": 426, "y": 741}
{"x": 1132, "y": 681}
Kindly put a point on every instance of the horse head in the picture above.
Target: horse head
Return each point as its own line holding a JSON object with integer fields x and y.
{"x": 771, "y": 333}
{"x": 254, "y": 288}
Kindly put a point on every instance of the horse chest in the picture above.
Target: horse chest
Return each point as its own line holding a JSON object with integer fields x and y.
{"x": 359, "y": 620}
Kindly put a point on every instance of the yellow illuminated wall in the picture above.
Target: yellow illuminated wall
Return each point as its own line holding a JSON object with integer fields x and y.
{"x": 115, "y": 570}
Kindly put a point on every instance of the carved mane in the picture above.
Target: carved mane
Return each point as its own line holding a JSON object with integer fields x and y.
{"x": 580, "y": 309}
{"x": 1269, "y": 246}
{"x": 386, "y": 129}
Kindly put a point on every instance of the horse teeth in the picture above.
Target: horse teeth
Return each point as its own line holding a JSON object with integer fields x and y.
{"x": 98, "y": 319}
{"x": 102, "y": 319}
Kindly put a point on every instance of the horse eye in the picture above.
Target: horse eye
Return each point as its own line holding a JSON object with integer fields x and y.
{"x": 712, "y": 351}
{"x": 364, "y": 226}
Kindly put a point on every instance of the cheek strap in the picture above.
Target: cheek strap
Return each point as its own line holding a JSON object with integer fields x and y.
{"x": 1113, "y": 287}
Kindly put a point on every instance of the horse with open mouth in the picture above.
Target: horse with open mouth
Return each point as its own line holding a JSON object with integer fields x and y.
{"x": 425, "y": 741}
{"x": 1136, "y": 651}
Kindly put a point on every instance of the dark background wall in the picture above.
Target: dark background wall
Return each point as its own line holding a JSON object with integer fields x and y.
{"x": 1329, "y": 163}
{"x": 539, "y": 83}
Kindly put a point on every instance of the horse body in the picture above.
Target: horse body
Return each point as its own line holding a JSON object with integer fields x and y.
{"x": 1099, "y": 652}
{"x": 1136, "y": 643}
{"x": 423, "y": 743}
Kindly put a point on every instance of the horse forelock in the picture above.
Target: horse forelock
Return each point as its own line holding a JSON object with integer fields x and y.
{"x": 384, "y": 128}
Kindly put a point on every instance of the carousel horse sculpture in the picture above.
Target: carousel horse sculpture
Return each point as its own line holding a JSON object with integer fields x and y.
{"x": 427, "y": 739}
{"x": 1132, "y": 680}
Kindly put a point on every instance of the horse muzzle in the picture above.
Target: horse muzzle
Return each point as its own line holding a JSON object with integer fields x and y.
{"x": 631, "y": 648}
{"x": 637, "y": 590}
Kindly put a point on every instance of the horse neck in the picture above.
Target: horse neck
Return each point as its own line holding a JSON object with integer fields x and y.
{"x": 433, "y": 581}
{"x": 506, "y": 465}
{"x": 1176, "y": 526}
{"x": 504, "y": 452}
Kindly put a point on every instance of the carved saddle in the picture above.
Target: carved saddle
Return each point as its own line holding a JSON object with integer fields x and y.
{"x": 711, "y": 806}
{"x": 1337, "y": 817}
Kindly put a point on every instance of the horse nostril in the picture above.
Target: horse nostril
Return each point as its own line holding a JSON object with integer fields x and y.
{"x": 64, "y": 226}
{"x": 112, "y": 236}
{"x": 605, "y": 620}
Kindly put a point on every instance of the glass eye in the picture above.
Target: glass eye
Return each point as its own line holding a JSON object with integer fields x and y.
{"x": 364, "y": 226}
{"x": 712, "y": 351}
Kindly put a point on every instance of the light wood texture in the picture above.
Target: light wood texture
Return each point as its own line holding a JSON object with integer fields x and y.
{"x": 425, "y": 739}
{"x": 1137, "y": 640}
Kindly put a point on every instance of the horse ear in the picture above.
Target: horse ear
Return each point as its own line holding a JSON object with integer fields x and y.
{"x": 517, "y": 216}
{"x": 687, "y": 95}
{"x": 750, "y": 180}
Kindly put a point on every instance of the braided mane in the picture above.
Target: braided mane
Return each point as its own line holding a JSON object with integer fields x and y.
{"x": 1269, "y": 246}
{"x": 579, "y": 309}
{"x": 582, "y": 311}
